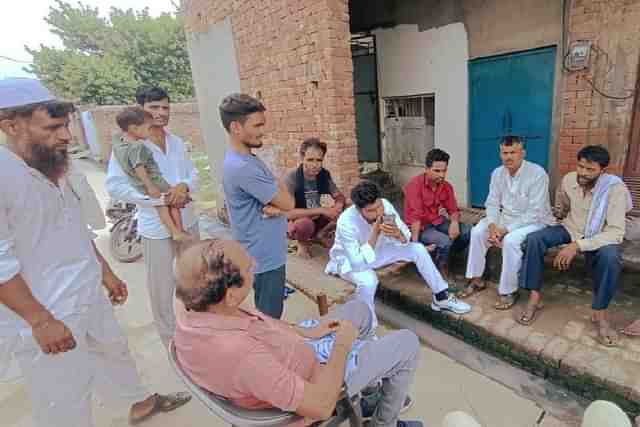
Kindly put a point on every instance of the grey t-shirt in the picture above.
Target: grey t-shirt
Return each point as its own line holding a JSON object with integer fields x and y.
{"x": 311, "y": 193}
{"x": 249, "y": 186}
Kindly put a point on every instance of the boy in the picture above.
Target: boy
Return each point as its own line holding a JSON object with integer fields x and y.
{"x": 144, "y": 175}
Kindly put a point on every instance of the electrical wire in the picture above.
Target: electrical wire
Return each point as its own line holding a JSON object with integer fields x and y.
{"x": 15, "y": 60}
{"x": 592, "y": 84}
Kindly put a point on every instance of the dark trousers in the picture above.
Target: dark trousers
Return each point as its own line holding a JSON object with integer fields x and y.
{"x": 439, "y": 235}
{"x": 269, "y": 291}
{"x": 604, "y": 264}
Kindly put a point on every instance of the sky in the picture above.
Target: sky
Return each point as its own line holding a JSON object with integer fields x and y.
{"x": 23, "y": 24}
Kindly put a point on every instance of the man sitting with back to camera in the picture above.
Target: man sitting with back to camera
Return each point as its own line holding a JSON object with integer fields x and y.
{"x": 257, "y": 361}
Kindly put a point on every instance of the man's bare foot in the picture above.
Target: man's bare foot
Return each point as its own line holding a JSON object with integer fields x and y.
{"x": 156, "y": 403}
{"x": 304, "y": 251}
{"x": 632, "y": 329}
{"x": 182, "y": 236}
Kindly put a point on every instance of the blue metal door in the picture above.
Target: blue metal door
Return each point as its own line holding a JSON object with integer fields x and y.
{"x": 509, "y": 95}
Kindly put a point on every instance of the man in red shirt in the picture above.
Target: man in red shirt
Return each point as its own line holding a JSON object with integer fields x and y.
{"x": 426, "y": 197}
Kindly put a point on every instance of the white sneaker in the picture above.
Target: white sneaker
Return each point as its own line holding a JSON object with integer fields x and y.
{"x": 450, "y": 304}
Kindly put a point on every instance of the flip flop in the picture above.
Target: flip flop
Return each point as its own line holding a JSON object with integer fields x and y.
{"x": 471, "y": 289}
{"x": 505, "y": 302}
{"x": 527, "y": 315}
{"x": 607, "y": 336}
{"x": 162, "y": 403}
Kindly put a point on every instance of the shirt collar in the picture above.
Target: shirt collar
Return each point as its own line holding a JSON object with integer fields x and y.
{"x": 198, "y": 319}
{"x": 574, "y": 184}
{"x": 240, "y": 155}
{"x": 519, "y": 171}
{"x": 431, "y": 184}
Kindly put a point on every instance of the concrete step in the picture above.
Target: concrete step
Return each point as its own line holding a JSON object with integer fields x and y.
{"x": 560, "y": 346}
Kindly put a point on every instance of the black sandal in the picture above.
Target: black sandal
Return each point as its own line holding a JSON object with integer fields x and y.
{"x": 472, "y": 289}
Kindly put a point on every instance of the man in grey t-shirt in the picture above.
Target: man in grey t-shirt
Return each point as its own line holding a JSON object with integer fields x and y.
{"x": 308, "y": 183}
{"x": 255, "y": 200}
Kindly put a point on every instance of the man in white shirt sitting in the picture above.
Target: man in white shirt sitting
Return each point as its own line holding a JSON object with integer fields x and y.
{"x": 370, "y": 234}
{"x": 518, "y": 204}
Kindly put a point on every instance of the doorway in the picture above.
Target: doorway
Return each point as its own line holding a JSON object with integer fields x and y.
{"x": 365, "y": 94}
{"x": 509, "y": 95}
{"x": 632, "y": 168}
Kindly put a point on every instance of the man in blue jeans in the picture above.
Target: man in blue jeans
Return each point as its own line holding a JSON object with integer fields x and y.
{"x": 426, "y": 196}
{"x": 591, "y": 206}
{"x": 255, "y": 200}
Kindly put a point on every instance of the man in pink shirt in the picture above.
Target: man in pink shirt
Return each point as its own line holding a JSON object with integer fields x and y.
{"x": 259, "y": 362}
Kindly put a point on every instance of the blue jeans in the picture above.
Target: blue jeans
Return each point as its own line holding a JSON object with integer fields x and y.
{"x": 604, "y": 264}
{"x": 439, "y": 235}
{"x": 269, "y": 291}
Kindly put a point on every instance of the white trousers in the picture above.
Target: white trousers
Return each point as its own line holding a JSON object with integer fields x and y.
{"x": 511, "y": 254}
{"x": 61, "y": 386}
{"x": 367, "y": 281}
{"x": 159, "y": 255}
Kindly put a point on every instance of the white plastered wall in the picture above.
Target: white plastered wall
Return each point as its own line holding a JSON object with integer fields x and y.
{"x": 412, "y": 62}
{"x": 215, "y": 75}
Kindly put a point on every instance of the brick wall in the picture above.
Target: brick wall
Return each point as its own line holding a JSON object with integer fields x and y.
{"x": 294, "y": 55}
{"x": 185, "y": 122}
{"x": 588, "y": 117}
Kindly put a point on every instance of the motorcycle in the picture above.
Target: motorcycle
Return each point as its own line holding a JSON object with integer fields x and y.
{"x": 125, "y": 244}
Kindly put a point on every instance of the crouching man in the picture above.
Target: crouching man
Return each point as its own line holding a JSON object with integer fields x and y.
{"x": 371, "y": 235}
{"x": 308, "y": 183}
{"x": 260, "y": 362}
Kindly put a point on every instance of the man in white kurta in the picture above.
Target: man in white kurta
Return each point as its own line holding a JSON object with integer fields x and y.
{"x": 365, "y": 241}
{"x": 55, "y": 318}
{"x": 518, "y": 204}
{"x": 171, "y": 156}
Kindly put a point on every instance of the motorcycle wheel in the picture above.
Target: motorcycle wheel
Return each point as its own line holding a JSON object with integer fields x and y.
{"x": 125, "y": 245}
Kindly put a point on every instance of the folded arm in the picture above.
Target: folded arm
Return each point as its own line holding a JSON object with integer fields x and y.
{"x": 265, "y": 378}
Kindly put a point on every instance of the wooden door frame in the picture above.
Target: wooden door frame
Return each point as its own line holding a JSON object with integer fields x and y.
{"x": 633, "y": 152}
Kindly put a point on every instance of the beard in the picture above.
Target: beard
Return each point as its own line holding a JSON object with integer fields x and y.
{"x": 587, "y": 182}
{"x": 50, "y": 161}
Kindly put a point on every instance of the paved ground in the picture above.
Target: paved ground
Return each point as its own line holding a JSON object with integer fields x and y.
{"x": 441, "y": 385}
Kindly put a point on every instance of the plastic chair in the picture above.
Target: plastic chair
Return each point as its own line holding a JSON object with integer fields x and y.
{"x": 346, "y": 409}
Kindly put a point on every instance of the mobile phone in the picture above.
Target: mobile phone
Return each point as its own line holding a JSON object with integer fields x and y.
{"x": 389, "y": 219}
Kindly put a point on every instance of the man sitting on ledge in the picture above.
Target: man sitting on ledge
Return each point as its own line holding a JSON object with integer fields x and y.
{"x": 260, "y": 362}
{"x": 371, "y": 235}
{"x": 591, "y": 207}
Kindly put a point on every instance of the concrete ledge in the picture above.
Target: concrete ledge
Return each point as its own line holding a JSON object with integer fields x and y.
{"x": 561, "y": 346}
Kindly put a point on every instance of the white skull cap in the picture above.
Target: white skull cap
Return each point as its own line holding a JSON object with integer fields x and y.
{"x": 18, "y": 92}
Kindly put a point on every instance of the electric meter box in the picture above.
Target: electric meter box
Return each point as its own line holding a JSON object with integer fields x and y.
{"x": 579, "y": 53}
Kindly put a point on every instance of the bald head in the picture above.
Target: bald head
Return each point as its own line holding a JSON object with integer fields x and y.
{"x": 207, "y": 269}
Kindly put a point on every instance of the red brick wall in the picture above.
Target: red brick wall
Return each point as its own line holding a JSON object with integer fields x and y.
{"x": 185, "y": 122}
{"x": 588, "y": 117}
{"x": 295, "y": 55}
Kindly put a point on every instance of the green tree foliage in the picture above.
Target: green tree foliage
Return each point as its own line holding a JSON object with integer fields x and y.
{"x": 104, "y": 60}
